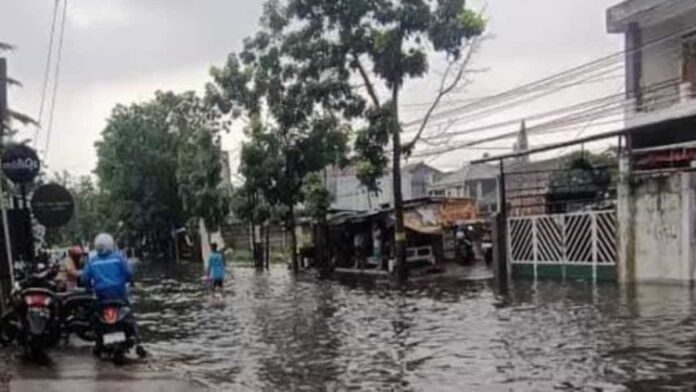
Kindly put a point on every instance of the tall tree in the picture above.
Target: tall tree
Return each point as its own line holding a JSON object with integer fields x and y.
{"x": 383, "y": 43}
{"x": 159, "y": 167}
{"x": 279, "y": 99}
{"x": 7, "y": 129}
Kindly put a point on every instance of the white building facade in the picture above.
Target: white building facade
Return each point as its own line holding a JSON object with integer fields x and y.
{"x": 349, "y": 193}
{"x": 657, "y": 192}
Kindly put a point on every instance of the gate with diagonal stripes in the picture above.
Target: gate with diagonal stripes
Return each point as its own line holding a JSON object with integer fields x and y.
{"x": 577, "y": 245}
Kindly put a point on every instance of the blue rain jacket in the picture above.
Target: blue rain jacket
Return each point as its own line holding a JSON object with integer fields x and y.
{"x": 108, "y": 274}
{"x": 216, "y": 266}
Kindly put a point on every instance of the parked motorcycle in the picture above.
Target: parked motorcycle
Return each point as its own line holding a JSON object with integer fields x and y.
{"x": 116, "y": 332}
{"x": 35, "y": 313}
{"x": 76, "y": 310}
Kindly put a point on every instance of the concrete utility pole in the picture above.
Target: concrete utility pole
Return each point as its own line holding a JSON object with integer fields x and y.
{"x": 5, "y": 286}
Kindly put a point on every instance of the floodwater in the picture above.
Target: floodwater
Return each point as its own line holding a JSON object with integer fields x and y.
{"x": 276, "y": 332}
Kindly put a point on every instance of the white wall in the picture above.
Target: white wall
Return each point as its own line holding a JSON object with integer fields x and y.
{"x": 352, "y": 195}
{"x": 657, "y": 217}
{"x": 661, "y": 59}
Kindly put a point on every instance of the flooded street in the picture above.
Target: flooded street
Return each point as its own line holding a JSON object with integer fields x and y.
{"x": 276, "y": 332}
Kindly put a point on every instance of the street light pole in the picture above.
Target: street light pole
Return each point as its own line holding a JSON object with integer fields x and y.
{"x": 5, "y": 226}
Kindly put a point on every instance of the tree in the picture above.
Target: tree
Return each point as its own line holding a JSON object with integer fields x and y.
{"x": 159, "y": 167}
{"x": 279, "y": 97}
{"x": 584, "y": 177}
{"x": 91, "y": 215}
{"x": 382, "y": 43}
{"x": 317, "y": 204}
{"x": 199, "y": 161}
{"x": 7, "y": 129}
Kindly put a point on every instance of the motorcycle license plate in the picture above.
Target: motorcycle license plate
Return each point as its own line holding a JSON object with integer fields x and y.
{"x": 115, "y": 337}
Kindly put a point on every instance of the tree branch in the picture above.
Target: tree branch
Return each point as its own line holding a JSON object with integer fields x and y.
{"x": 445, "y": 89}
{"x": 368, "y": 83}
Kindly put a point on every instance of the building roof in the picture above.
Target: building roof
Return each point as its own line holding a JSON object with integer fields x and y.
{"x": 620, "y": 16}
{"x": 467, "y": 173}
{"x": 352, "y": 170}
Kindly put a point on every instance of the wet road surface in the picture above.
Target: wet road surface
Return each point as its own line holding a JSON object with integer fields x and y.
{"x": 276, "y": 332}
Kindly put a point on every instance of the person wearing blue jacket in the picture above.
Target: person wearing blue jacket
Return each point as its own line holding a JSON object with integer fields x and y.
{"x": 107, "y": 272}
{"x": 216, "y": 268}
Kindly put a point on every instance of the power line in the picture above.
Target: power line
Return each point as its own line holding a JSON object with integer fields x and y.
{"x": 548, "y": 82}
{"x": 47, "y": 71}
{"x": 56, "y": 78}
{"x": 594, "y": 104}
{"x": 451, "y": 102}
{"x": 524, "y": 100}
{"x": 537, "y": 130}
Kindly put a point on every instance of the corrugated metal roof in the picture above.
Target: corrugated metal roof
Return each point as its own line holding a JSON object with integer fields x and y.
{"x": 467, "y": 173}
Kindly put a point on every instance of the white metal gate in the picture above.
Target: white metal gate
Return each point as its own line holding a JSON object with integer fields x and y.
{"x": 587, "y": 238}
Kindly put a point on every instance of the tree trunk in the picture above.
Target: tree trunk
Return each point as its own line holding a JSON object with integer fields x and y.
{"x": 258, "y": 249}
{"x": 268, "y": 247}
{"x": 399, "y": 231}
{"x": 293, "y": 240}
{"x": 322, "y": 248}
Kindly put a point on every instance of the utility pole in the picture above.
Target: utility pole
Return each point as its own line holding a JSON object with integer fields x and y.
{"x": 5, "y": 286}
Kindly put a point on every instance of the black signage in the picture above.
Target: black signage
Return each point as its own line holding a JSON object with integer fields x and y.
{"x": 20, "y": 163}
{"x": 52, "y": 205}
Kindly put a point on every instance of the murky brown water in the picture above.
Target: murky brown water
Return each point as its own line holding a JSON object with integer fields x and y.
{"x": 275, "y": 332}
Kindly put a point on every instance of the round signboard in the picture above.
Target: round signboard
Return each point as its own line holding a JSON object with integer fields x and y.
{"x": 52, "y": 205}
{"x": 20, "y": 163}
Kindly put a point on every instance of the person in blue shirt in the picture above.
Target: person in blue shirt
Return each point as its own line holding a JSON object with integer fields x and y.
{"x": 107, "y": 272}
{"x": 216, "y": 268}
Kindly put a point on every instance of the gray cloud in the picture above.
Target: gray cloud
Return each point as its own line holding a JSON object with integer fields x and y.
{"x": 122, "y": 50}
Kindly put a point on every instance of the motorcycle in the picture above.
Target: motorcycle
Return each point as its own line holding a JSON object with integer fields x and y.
{"x": 35, "y": 313}
{"x": 76, "y": 310}
{"x": 115, "y": 331}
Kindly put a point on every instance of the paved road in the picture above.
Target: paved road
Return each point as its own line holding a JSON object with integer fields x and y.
{"x": 77, "y": 371}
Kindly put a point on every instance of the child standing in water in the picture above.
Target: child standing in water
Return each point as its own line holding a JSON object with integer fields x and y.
{"x": 216, "y": 269}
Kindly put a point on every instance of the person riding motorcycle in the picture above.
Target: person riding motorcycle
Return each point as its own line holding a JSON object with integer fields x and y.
{"x": 107, "y": 272}
{"x": 71, "y": 268}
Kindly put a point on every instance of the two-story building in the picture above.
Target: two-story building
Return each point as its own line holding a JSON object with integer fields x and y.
{"x": 479, "y": 182}
{"x": 350, "y": 194}
{"x": 656, "y": 197}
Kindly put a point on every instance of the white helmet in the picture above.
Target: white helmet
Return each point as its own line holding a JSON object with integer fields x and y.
{"x": 104, "y": 243}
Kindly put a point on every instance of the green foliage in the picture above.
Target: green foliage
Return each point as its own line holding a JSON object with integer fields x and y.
{"x": 317, "y": 197}
{"x": 339, "y": 38}
{"x": 159, "y": 166}
{"x": 91, "y": 213}
{"x": 292, "y": 129}
{"x": 585, "y": 172}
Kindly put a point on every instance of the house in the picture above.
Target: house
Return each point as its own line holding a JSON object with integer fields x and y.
{"x": 363, "y": 240}
{"x": 656, "y": 211}
{"x": 660, "y": 60}
{"x": 479, "y": 182}
{"x": 350, "y": 194}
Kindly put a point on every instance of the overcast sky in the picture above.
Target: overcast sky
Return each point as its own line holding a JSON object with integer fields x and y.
{"x": 120, "y": 51}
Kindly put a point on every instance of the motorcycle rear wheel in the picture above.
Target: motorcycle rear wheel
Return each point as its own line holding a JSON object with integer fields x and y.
{"x": 119, "y": 358}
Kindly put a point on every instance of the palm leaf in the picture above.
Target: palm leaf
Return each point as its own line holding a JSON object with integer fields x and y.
{"x": 11, "y": 82}
{"x": 22, "y": 118}
{"x": 5, "y": 47}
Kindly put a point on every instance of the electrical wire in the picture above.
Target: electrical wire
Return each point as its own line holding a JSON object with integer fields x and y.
{"x": 47, "y": 71}
{"x": 587, "y": 106}
{"x": 56, "y": 80}
{"x": 524, "y": 100}
{"x": 547, "y": 82}
{"x": 531, "y": 131}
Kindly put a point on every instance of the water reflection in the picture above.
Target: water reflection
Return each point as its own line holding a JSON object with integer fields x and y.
{"x": 275, "y": 332}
